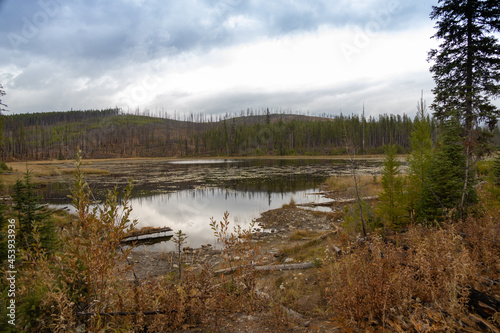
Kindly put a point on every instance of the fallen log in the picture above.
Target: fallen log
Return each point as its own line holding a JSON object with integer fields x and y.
{"x": 147, "y": 231}
{"x": 484, "y": 305}
{"x": 148, "y": 236}
{"x": 327, "y": 192}
{"x": 333, "y": 202}
{"x": 7, "y": 200}
{"x": 102, "y": 314}
{"x": 284, "y": 267}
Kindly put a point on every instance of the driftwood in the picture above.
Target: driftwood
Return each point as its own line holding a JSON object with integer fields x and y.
{"x": 285, "y": 267}
{"x": 102, "y": 314}
{"x": 333, "y": 202}
{"x": 148, "y": 236}
{"x": 147, "y": 231}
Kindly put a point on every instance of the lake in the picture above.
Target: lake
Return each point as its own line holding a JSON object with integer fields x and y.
{"x": 185, "y": 194}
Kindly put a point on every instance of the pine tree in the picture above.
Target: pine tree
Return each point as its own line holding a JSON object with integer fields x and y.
{"x": 31, "y": 212}
{"x": 467, "y": 70}
{"x": 420, "y": 156}
{"x": 442, "y": 193}
{"x": 391, "y": 207}
{"x": 467, "y": 65}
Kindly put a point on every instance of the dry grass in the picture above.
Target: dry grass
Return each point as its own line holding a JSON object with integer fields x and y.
{"x": 418, "y": 279}
{"x": 46, "y": 169}
{"x": 369, "y": 185}
{"x": 308, "y": 246}
{"x": 86, "y": 171}
{"x": 303, "y": 235}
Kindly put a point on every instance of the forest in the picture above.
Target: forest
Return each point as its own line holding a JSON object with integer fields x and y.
{"x": 113, "y": 133}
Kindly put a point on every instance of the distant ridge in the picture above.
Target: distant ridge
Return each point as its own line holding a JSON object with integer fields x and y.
{"x": 111, "y": 133}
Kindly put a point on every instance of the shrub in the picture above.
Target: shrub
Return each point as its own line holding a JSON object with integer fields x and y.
{"x": 376, "y": 281}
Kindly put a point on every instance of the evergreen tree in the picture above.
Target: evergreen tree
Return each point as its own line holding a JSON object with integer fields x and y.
{"x": 496, "y": 170}
{"x": 31, "y": 212}
{"x": 467, "y": 70}
{"x": 420, "y": 156}
{"x": 467, "y": 65}
{"x": 442, "y": 192}
{"x": 391, "y": 207}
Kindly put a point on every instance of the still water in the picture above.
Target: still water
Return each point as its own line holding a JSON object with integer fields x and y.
{"x": 191, "y": 210}
{"x": 185, "y": 195}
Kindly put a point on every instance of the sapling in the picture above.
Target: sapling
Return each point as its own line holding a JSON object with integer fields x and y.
{"x": 179, "y": 239}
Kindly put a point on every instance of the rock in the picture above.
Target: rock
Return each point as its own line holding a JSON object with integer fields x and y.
{"x": 289, "y": 260}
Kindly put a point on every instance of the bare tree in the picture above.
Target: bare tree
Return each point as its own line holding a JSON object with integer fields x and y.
{"x": 2, "y": 105}
{"x": 353, "y": 165}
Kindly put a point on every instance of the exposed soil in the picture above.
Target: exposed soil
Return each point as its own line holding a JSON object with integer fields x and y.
{"x": 279, "y": 225}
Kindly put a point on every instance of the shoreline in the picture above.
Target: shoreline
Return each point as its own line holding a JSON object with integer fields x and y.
{"x": 50, "y": 171}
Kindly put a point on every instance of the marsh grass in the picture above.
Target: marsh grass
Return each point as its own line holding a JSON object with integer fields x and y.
{"x": 291, "y": 204}
{"x": 41, "y": 169}
{"x": 88, "y": 281}
{"x": 303, "y": 234}
{"x": 86, "y": 171}
{"x": 344, "y": 185}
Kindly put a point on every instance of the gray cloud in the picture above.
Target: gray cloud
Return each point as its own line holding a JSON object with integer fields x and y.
{"x": 48, "y": 45}
{"x": 92, "y": 29}
{"x": 346, "y": 98}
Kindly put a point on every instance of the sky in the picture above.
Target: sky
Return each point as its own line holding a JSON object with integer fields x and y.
{"x": 216, "y": 56}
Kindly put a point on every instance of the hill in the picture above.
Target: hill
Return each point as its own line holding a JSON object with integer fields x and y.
{"x": 111, "y": 133}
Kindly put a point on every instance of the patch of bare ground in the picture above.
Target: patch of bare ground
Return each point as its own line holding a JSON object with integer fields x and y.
{"x": 282, "y": 227}
{"x": 291, "y": 235}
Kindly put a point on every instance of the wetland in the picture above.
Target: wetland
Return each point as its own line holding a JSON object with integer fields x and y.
{"x": 185, "y": 194}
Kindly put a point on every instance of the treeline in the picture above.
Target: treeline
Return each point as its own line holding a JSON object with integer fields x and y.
{"x": 112, "y": 133}
{"x": 287, "y": 135}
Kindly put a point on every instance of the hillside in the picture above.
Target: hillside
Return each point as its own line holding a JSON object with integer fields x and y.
{"x": 111, "y": 133}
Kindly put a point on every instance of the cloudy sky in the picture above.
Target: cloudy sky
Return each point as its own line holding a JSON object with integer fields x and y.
{"x": 216, "y": 56}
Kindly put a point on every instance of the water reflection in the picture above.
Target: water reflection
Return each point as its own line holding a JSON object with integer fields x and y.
{"x": 191, "y": 210}
{"x": 184, "y": 195}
